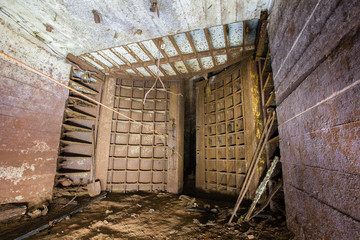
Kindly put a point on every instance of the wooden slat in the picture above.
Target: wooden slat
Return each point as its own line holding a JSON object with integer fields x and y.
{"x": 157, "y": 44}
{"x": 106, "y": 68}
{"x": 81, "y": 102}
{"x": 139, "y": 60}
{"x": 190, "y": 39}
{"x": 115, "y": 64}
{"x": 207, "y": 36}
{"x": 117, "y": 73}
{"x": 142, "y": 47}
{"x": 179, "y": 52}
{"x": 73, "y": 128}
{"x": 126, "y": 62}
{"x": 69, "y": 142}
{"x": 82, "y": 88}
{"x": 270, "y": 99}
{"x": 226, "y": 43}
{"x": 268, "y": 81}
{"x": 266, "y": 60}
{"x": 273, "y": 140}
{"x": 74, "y": 114}
{"x": 171, "y": 60}
{"x": 261, "y": 41}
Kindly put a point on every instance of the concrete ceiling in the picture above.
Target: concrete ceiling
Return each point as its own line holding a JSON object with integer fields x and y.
{"x": 68, "y": 26}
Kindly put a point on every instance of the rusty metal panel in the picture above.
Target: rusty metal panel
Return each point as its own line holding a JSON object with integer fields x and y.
{"x": 138, "y": 150}
{"x": 31, "y": 111}
{"x": 222, "y": 158}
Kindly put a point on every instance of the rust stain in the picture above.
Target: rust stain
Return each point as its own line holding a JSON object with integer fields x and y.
{"x": 49, "y": 28}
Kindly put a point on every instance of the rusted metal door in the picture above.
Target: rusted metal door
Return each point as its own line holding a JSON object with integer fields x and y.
{"x": 221, "y": 163}
{"x": 138, "y": 157}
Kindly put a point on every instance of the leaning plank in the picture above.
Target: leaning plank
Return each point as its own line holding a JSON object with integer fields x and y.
{"x": 263, "y": 206}
{"x": 261, "y": 188}
{"x": 255, "y": 159}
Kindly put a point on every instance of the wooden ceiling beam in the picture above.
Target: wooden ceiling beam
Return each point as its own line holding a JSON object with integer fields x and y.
{"x": 127, "y": 63}
{"x": 226, "y": 44}
{"x": 107, "y": 58}
{"x": 207, "y": 36}
{"x": 139, "y": 60}
{"x": 179, "y": 53}
{"x": 262, "y": 34}
{"x": 141, "y": 46}
{"x": 158, "y": 45}
{"x": 171, "y": 60}
{"x": 106, "y": 68}
{"x": 189, "y": 75}
{"x": 191, "y": 41}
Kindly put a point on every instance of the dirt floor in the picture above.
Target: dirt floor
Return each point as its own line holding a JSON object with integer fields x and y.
{"x": 146, "y": 216}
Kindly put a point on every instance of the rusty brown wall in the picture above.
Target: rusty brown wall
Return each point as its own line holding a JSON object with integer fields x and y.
{"x": 31, "y": 112}
{"x": 317, "y": 81}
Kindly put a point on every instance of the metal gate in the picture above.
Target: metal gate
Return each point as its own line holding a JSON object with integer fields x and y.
{"x": 221, "y": 163}
{"x": 138, "y": 158}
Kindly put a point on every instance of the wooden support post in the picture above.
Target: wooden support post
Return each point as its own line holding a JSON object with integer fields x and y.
{"x": 253, "y": 121}
{"x": 176, "y": 139}
{"x": 200, "y": 137}
{"x": 104, "y": 132}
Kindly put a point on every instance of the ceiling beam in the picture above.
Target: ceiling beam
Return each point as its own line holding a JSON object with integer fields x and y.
{"x": 141, "y": 46}
{"x": 248, "y": 54}
{"x": 106, "y": 68}
{"x": 207, "y": 36}
{"x": 126, "y": 62}
{"x": 158, "y": 45}
{"x": 226, "y": 43}
{"x": 139, "y": 60}
{"x": 179, "y": 53}
{"x": 108, "y": 59}
{"x": 191, "y": 41}
{"x": 171, "y": 60}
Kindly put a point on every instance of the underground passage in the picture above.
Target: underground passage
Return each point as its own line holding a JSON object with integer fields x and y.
{"x": 160, "y": 119}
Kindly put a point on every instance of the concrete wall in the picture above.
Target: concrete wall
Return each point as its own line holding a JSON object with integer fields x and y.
{"x": 31, "y": 110}
{"x": 317, "y": 82}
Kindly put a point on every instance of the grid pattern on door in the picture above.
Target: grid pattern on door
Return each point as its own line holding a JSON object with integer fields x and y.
{"x": 138, "y": 150}
{"x": 225, "y": 163}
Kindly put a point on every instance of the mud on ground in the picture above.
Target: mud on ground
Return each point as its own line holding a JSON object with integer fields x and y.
{"x": 147, "y": 216}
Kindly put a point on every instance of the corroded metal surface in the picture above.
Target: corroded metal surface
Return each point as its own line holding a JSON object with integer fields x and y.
{"x": 220, "y": 126}
{"x": 138, "y": 158}
{"x": 320, "y": 136}
{"x": 31, "y": 111}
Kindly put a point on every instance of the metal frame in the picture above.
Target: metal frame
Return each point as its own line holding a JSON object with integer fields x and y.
{"x": 121, "y": 70}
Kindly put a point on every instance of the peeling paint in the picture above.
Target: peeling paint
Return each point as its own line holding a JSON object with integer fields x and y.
{"x": 19, "y": 198}
{"x": 38, "y": 147}
{"x": 15, "y": 174}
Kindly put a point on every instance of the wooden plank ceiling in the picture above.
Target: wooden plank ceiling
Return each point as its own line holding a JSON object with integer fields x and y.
{"x": 182, "y": 55}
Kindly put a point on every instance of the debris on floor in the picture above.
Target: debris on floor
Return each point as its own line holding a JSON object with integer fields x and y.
{"x": 148, "y": 216}
{"x": 9, "y": 211}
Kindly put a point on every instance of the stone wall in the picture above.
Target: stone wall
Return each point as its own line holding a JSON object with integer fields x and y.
{"x": 31, "y": 110}
{"x": 315, "y": 49}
